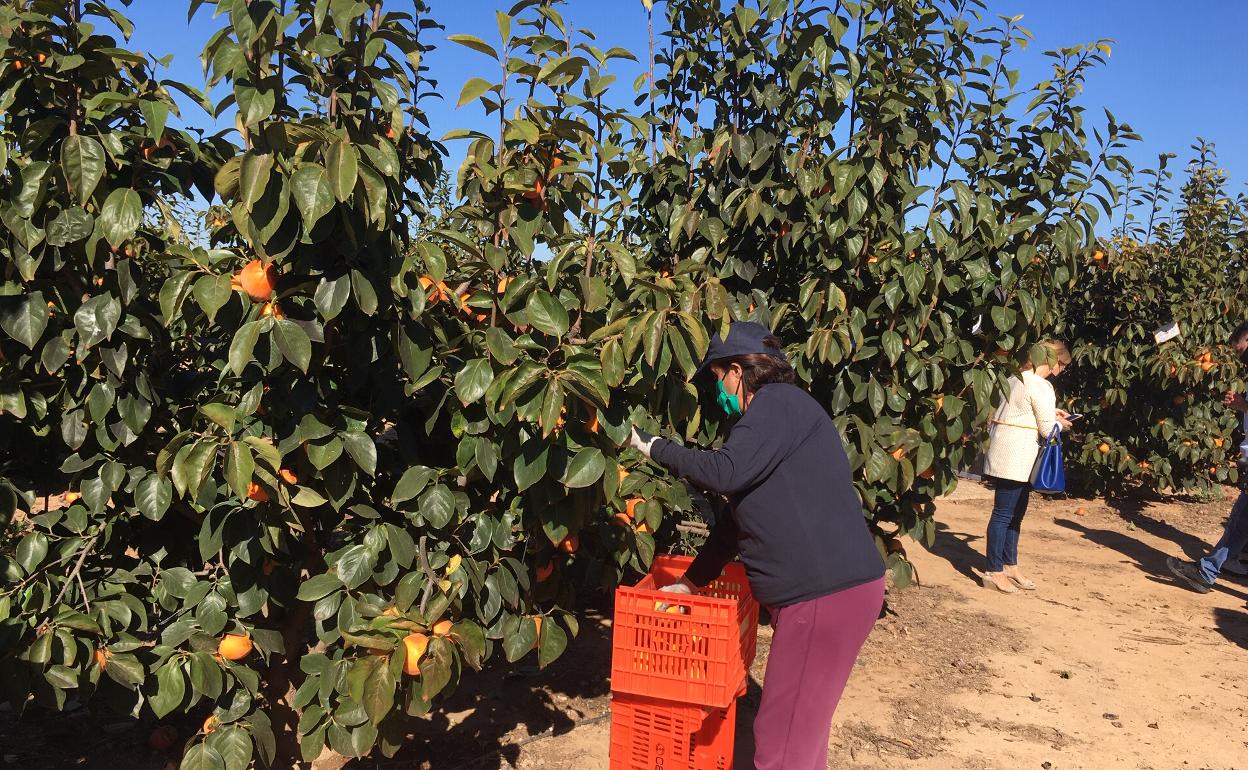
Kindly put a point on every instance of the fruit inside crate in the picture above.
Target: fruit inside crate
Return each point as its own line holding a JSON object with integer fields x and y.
{"x": 690, "y": 648}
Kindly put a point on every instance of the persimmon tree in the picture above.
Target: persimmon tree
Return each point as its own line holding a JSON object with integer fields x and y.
{"x": 863, "y": 179}
{"x": 1154, "y": 415}
{"x": 361, "y": 437}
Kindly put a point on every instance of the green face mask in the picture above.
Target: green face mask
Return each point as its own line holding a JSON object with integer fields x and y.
{"x": 730, "y": 403}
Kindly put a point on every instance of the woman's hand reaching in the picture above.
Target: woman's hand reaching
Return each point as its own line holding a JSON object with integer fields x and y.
{"x": 641, "y": 441}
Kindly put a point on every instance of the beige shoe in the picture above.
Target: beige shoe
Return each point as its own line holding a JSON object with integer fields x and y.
{"x": 999, "y": 581}
{"x": 1016, "y": 577}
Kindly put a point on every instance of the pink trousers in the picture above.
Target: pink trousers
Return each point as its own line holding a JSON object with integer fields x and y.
{"x": 812, "y": 654}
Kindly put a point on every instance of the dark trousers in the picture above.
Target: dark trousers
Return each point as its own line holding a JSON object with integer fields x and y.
{"x": 1008, "y": 509}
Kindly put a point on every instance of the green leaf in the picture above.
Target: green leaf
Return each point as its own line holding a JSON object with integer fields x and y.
{"x": 331, "y": 296}
{"x": 379, "y": 689}
{"x": 362, "y": 450}
{"x": 70, "y": 226}
{"x": 153, "y": 496}
{"x": 24, "y": 318}
{"x": 212, "y": 292}
{"x": 170, "y": 690}
{"x": 893, "y": 346}
{"x": 547, "y": 314}
{"x": 356, "y": 564}
{"x": 234, "y": 745}
{"x": 472, "y": 90}
{"x": 243, "y": 346}
{"x": 222, "y": 414}
{"x": 240, "y": 467}
{"x": 522, "y": 641}
{"x": 438, "y": 506}
{"x": 55, "y": 354}
{"x": 293, "y": 341}
{"x": 436, "y": 667}
{"x": 473, "y": 380}
{"x": 412, "y": 483}
{"x": 265, "y": 451}
{"x": 254, "y": 178}
{"x": 206, "y": 676}
{"x": 307, "y": 498}
{"x": 262, "y": 734}
{"x": 585, "y": 469}
{"x": 318, "y": 587}
{"x": 312, "y": 193}
{"x": 1004, "y": 318}
{"x": 551, "y": 643}
{"x": 323, "y": 454}
{"x": 342, "y": 163}
{"x": 471, "y": 639}
{"x": 82, "y": 160}
{"x": 475, "y": 43}
{"x": 121, "y": 216}
{"x": 31, "y": 551}
{"x": 155, "y": 114}
{"x": 96, "y": 319}
{"x": 173, "y": 294}
{"x": 486, "y": 455}
{"x": 192, "y": 465}
{"x": 530, "y": 466}
{"x": 126, "y": 671}
{"x": 202, "y": 757}
{"x": 501, "y": 346}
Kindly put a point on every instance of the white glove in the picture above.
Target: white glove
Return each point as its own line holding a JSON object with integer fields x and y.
{"x": 682, "y": 586}
{"x": 641, "y": 441}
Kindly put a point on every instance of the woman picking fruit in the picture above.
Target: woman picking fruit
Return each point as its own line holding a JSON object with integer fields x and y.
{"x": 1021, "y": 423}
{"x": 798, "y": 527}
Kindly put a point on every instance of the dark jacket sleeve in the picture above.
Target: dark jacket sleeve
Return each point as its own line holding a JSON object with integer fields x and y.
{"x": 719, "y": 549}
{"x": 758, "y": 443}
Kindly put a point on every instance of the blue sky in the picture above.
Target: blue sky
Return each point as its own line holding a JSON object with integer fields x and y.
{"x": 1176, "y": 72}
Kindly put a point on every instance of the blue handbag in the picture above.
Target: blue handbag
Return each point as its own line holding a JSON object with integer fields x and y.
{"x": 1049, "y": 474}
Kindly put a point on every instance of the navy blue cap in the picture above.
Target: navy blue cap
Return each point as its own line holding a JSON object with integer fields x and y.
{"x": 744, "y": 338}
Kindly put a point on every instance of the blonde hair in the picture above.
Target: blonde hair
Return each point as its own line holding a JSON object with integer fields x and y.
{"x": 1054, "y": 351}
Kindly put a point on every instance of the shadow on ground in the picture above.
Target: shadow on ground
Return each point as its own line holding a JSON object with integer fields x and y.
{"x": 1134, "y": 511}
{"x": 955, "y": 548}
{"x": 1147, "y": 558}
{"x": 1233, "y": 625}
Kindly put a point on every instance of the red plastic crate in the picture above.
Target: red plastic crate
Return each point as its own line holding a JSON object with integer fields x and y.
{"x": 648, "y": 733}
{"x": 698, "y": 657}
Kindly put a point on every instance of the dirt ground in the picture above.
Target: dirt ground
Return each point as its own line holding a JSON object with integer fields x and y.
{"x": 1107, "y": 665}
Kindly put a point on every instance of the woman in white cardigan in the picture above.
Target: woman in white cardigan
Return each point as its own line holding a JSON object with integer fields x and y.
{"x": 1018, "y": 429}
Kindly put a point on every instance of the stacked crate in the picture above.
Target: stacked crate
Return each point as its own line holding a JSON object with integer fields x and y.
{"x": 678, "y": 664}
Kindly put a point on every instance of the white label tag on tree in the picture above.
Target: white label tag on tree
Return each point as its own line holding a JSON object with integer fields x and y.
{"x": 1167, "y": 332}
